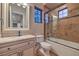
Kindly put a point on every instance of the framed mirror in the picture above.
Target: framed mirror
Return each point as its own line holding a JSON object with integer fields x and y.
{"x": 16, "y": 16}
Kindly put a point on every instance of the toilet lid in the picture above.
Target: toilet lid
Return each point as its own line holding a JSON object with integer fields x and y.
{"x": 45, "y": 44}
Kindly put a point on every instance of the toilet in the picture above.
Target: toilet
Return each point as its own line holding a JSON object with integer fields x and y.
{"x": 44, "y": 45}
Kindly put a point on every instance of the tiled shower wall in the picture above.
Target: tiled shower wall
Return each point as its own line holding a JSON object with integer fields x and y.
{"x": 68, "y": 28}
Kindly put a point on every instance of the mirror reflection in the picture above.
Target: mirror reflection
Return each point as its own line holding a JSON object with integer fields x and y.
{"x": 17, "y": 14}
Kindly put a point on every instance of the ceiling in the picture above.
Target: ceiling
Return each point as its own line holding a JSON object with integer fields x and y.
{"x": 53, "y": 5}
{"x": 48, "y": 5}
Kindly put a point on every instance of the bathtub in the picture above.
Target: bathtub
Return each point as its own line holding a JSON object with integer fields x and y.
{"x": 63, "y": 47}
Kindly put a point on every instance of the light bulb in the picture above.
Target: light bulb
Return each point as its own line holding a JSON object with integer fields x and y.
{"x": 24, "y": 6}
{"x": 19, "y": 4}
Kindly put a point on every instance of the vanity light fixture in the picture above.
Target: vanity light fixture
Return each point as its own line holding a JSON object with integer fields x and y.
{"x": 19, "y": 4}
{"x": 22, "y": 4}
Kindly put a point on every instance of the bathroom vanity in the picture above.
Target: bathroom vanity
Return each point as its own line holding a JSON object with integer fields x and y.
{"x": 18, "y": 46}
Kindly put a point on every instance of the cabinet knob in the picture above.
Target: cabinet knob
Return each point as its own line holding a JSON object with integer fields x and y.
{"x": 8, "y": 48}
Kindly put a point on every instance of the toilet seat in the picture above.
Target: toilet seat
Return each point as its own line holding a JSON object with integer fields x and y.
{"x": 45, "y": 45}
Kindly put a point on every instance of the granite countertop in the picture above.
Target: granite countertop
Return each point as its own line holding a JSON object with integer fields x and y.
{"x": 15, "y": 38}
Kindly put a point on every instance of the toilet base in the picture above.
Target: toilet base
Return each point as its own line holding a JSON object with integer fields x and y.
{"x": 42, "y": 52}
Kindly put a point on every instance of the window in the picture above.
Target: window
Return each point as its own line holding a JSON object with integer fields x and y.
{"x": 38, "y": 15}
{"x": 63, "y": 13}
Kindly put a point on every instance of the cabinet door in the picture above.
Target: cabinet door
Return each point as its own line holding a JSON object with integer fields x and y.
{"x": 28, "y": 52}
{"x": 15, "y": 54}
{"x": 11, "y": 53}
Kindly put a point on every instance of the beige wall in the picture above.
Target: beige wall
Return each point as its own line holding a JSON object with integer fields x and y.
{"x": 32, "y": 26}
{"x": 68, "y": 28}
{"x": 39, "y": 28}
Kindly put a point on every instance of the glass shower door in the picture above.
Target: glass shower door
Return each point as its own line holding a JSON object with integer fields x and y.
{"x": 1, "y": 22}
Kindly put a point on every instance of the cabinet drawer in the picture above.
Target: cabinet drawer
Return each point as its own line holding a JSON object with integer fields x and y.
{"x": 16, "y": 47}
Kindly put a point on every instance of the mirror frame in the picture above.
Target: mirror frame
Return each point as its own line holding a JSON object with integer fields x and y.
{"x": 5, "y": 14}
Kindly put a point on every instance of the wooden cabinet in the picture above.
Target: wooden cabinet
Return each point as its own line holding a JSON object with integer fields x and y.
{"x": 14, "y": 54}
{"x": 28, "y": 52}
{"x": 18, "y": 48}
